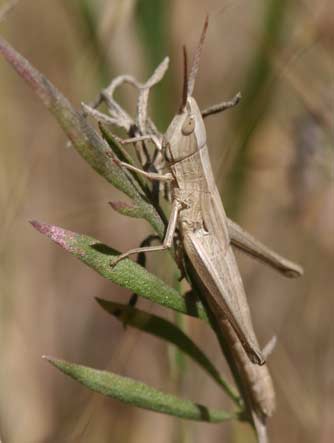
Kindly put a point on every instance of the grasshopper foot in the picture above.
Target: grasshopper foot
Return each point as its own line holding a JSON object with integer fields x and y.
{"x": 114, "y": 261}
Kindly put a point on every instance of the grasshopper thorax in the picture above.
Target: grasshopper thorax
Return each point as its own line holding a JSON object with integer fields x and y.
{"x": 186, "y": 133}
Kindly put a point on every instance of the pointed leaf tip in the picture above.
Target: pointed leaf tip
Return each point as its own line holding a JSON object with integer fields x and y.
{"x": 49, "y": 358}
{"x": 128, "y": 209}
{"x": 36, "y": 224}
{"x": 164, "y": 329}
{"x": 59, "y": 235}
{"x": 127, "y": 273}
{"x": 37, "y": 81}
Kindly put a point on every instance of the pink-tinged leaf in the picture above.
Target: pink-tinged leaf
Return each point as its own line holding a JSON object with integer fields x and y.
{"x": 81, "y": 135}
{"x": 126, "y": 273}
{"x": 65, "y": 239}
{"x": 89, "y": 143}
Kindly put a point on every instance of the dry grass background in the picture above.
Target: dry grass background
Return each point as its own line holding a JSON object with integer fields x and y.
{"x": 279, "y": 187}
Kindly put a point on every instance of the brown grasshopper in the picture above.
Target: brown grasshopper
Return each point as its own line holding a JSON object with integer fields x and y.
{"x": 206, "y": 233}
{"x": 207, "y": 236}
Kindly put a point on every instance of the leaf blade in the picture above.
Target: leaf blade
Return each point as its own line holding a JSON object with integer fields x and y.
{"x": 126, "y": 273}
{"x": 139, "y": 394}
{"x": 168, "y": 331}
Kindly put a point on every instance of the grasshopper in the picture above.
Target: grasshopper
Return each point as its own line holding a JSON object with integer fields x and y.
{"x": 206, "y": 233}
{"x": 207, "y": 236}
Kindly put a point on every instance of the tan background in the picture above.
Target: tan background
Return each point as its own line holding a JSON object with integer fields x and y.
{"x": 285, "y": 196}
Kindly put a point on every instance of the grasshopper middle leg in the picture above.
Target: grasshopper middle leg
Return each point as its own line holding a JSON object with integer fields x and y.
{"x": 168, "y": 240}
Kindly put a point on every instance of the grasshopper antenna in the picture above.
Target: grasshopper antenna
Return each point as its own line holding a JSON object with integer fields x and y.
{"x": 196, "y": 60}
{"x": 185, "y": 79}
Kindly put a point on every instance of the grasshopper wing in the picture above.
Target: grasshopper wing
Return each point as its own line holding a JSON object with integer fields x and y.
{"x": 210, "y": 252}
{"x": 218, "y": 272}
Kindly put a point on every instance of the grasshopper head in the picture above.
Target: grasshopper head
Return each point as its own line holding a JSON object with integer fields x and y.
{"x": 186, "y": 133}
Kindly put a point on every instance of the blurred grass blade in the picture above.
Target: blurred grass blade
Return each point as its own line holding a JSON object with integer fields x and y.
{"x": 166, "y": 330}
{"x": 89, "y": 143}
{"x": 258, "y": 93}
{"x": 139, "y": 394}
{"x": 126, "y": 273}
{"x": 152, "y": 18}
{"x": 89, "y": 12}
{"x": 85, "y": 16}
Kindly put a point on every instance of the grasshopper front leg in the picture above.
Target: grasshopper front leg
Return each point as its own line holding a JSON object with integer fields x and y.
{"x": 168, "y": 177}
{"x": 176, "y": 206}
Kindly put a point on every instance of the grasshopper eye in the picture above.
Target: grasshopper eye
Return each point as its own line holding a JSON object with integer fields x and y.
{"x": 188, "y": 126}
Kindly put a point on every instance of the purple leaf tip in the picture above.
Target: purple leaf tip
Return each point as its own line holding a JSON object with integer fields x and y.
{"x": 43, "y": 228}
{"x": 36, "y": 224}
{"x": 59, "y": 235}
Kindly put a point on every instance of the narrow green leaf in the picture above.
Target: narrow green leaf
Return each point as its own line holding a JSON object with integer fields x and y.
{"x": 123, "y": 155}
{"x": 139, "y": 394}
{"x": 259, "y": 92}
{"x": 126, "y": 273}
{"x": 166, "y": 330}
{"x": 89, "y": 143}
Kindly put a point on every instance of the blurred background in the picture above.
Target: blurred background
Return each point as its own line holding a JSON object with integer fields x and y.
{"x": 273, "y": 159}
